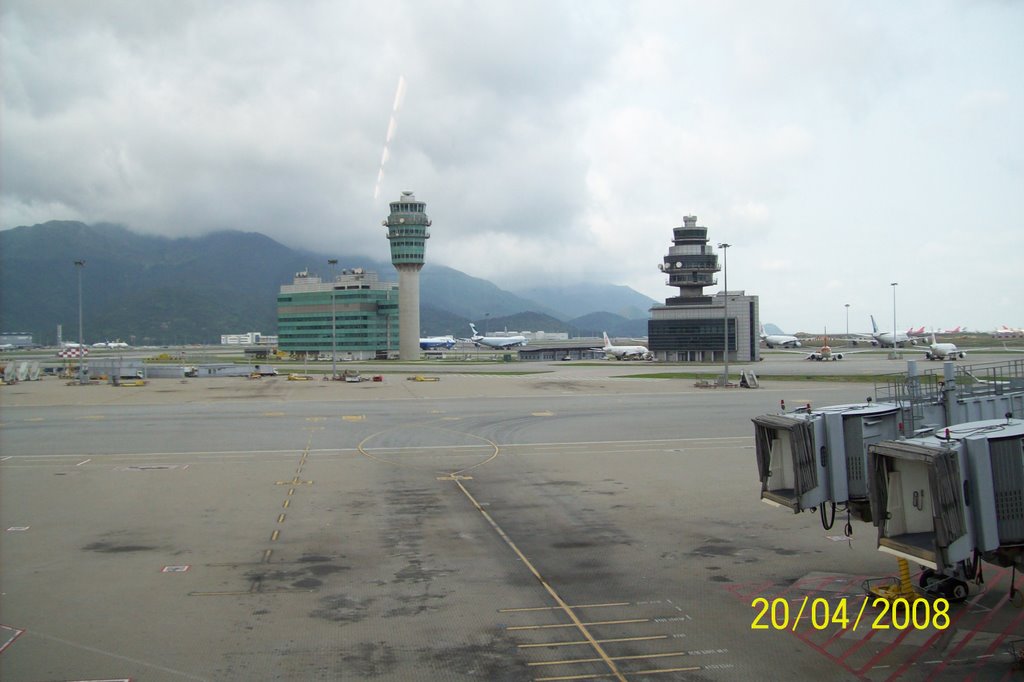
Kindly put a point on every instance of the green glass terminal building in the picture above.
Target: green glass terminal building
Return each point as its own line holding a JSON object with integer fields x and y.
{"x": 365, "y": 314}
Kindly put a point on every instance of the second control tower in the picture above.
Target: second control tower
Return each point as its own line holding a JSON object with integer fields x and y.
{"x": 407, "y": 231}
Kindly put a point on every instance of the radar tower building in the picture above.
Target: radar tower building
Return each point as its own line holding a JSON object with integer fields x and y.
{"x": 407, "y": 233}
{"x": 691, "y": 326}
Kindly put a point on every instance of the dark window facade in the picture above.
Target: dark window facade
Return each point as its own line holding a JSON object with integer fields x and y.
{"x": 677, "y": 335}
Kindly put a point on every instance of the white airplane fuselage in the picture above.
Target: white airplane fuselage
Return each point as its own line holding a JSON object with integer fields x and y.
{"x": 623, "y": 352}
{"x": 435, "y": 342}
{"x": 780, "y": 341}
{"x": 496, "y": 341}
{"x": 944, "y": 351}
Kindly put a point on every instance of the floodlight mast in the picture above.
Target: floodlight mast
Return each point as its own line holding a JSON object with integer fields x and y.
{"x": 725, "y": 310}
{"x": 334, "y": 315}
{"x": 79, "y": 265}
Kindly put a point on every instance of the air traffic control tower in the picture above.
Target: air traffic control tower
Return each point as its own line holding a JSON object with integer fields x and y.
{"x": 694, "y": 327}
{"x": 407, "y": 231}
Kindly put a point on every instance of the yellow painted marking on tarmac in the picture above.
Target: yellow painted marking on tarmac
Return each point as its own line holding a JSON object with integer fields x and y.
{"x": 455, "y": 477}
{"x": 362, "y": 449}
{"x": 545, "y": 413}
{"x": 93, "y": 417}
{"x": 632, "y": 673}
{"x": 280, "y": 518}
{"x": 295, "y": 481}
{"x": 273, "y": 414}
{"x": 249, "y": 593}
{"x": 291, "y": 491}
{"x": 232, "y": 593}
{"x": 556, "y": 608}
{"x": 577, "y": 624}
{"x": 286, "y": 503}
{"x": 614, "y": 658}
{"x": 550, "y": 590}
{"x": 315, "y": 419}
{"x": 275, "y": 535}
{"x": 33, "y": 419}
{"x": 354, "y": 417}
{"x": 599, "y": 641}
{"x": 266, "y": 555}
{"x": 451, "y": 419}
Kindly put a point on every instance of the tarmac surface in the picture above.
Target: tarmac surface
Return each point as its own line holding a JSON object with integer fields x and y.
{"x": 568, "y": 523}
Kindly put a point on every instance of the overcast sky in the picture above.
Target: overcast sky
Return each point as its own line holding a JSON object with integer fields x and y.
{"x": 838, "y": 146}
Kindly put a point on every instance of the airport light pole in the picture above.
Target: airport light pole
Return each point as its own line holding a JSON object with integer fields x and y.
{"x": 334, "y": 332}
{"x": 893, "y": 285}
{"x": 847, "y": 322}
{"x": 79, "y": 264}
{"x": 725, "y": 310}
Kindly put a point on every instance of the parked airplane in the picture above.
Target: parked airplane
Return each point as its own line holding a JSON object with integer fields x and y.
{"x": 779, "y": 340}
{"x": 824, "y": 353}
{"x": 1005, "y": 332}
{"x": 943, "y": 351}
{"x": 435, "y": 342}
{"x": 884, "y": 339}
{"x": 624, "y": 352}
{"x": 110, "y": 344}
{"x": 496, "y": 341}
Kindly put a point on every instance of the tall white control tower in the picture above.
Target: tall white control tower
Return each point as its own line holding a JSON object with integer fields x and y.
{"x": 407, "y": 232}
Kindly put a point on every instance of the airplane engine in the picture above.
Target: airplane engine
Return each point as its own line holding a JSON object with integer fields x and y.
{"x": 961, "y": 355}
{"x": 837, "y": 356}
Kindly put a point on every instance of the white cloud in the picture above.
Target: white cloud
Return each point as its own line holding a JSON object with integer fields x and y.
{"x": 551, "y": 141}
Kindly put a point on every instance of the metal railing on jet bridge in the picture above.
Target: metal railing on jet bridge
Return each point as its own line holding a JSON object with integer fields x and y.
{"x": 920, "y": 392}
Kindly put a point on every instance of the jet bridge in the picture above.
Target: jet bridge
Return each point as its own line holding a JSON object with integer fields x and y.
{"x": 945, "y": 501}
{"x": 817, "y": 456}
{"x": 812, "y": 457}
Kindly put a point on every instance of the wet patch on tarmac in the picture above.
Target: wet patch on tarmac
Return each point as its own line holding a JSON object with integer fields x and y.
{"x": 416, "y": 573}
{"x": 370, "y": 659}
{"x": 495, "y": 660}
{"x": 341, "y": 609}
{"x": 112, "y": 548}
{"x": 415, "y": 606}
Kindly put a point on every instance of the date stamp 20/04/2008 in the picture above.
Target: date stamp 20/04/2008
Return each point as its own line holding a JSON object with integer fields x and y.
{"x": 822, "y": 614}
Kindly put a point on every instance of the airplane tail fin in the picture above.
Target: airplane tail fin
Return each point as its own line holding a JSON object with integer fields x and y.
{"x": 874, "y": 327}
{"x": 606, "y": 341}
{"x": 472, "y": 328}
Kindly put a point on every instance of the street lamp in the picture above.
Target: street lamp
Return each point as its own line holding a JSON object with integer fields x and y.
{"x": 847, "y": 322}
{"x": 79, "y": 264}
{"x": 334, "y": 333}
{"x": 725, "y": 310}
{"x": 893, "y": 285}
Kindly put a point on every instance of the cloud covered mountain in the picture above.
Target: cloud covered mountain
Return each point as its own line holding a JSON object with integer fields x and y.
{"x": 148, "y": 289}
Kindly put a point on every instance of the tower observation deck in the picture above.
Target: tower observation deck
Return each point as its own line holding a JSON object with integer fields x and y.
{"x": 407, "y": 233}
{"x": 691, "y": 264}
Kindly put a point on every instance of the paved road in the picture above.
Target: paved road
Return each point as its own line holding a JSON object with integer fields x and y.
{"x": 557, "y": 526}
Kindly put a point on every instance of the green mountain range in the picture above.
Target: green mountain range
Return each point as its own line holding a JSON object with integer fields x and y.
{"x": 151, "y": 290}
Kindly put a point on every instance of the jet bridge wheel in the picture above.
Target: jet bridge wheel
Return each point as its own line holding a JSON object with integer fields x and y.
{"x": 951, "y": 588}
{"x": 955, "y": 590}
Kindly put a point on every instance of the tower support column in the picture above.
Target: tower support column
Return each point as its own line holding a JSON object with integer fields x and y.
{"x": 408, "y": 312}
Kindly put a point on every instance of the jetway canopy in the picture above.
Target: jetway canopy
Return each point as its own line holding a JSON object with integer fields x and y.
{"x": 778, "y": 440}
